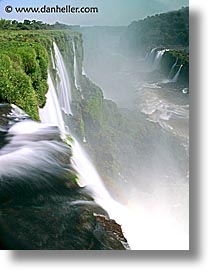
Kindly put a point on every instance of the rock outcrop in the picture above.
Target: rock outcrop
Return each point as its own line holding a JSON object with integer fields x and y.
{"x": 41, "y": 204}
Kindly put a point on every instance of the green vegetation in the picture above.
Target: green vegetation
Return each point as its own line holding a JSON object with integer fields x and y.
{"x": 25, "y": 57}
{"x": 23, "y": 74}
{"x": 105, "y": 129}
{"x": 92, "y": 105}
{"x": 30, "y": 25}
{"x": 183, "y": 56}
{"x": 167, "y": 29}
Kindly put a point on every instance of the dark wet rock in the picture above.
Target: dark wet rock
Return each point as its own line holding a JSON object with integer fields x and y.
{"x": 41, "y": 204}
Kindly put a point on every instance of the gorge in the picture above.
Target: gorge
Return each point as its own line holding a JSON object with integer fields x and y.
{"x": 119, "y": 155}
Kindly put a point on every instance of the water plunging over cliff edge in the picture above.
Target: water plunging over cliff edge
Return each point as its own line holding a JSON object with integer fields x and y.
{"x": 63, "y": 82}
{"x": 88, "y": 176}
{"x": 154, "y": 58}
{"x": 76, "y": 73}
{"x": 171, "y": 73}
{"x": 42, "y": 206}
{"x": 175, "y": 78}
{"x": 136, "y": 221}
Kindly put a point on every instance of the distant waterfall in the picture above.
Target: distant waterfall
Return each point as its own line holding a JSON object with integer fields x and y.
{"x": 151, "y": 56}
{"x": 172, "y": 69}
{"x": 175, "y": 78}
{"x": 158, "y": 58}
{"x": 154, "y": 57}
{"x": 76, "y": 72}
{"x": 64, "y": 85}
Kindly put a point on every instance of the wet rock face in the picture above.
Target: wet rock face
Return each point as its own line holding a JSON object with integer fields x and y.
{"x": 41, "y": 204}
{"x": 58, "y": 225}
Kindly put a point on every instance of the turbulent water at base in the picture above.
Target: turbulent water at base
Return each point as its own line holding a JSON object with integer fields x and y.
{"x": 63, "y": 82}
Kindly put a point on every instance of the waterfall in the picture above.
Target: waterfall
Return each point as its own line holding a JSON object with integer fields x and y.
{"x": 158, "y": 58}
{"x": 175, "y": 78}
{"x": 51, "y": 113}
{"x": 173, "y": 69}
{"x": 76, "y": 73}
{"x": 150, "y": 56}
{"x": 154, "y": 57}
{"x": 83, "y": 72}
{"x": 64, "y": 87}
{"x": 53, "y": 61}
{"x": 88, "y": 176}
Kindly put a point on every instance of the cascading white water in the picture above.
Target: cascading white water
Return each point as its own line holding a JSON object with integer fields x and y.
{"x": 88, "y": 176}
{"x": 172, "y": 69}
{"x": 151, "y": 56}
{"x": 136, "y": 221}
{"x": 51, "y": 113}
{"x": 83, "y": 72}
{"x": 175, "y": 78}
{"x": 158, "y": 58}
{"x": 53, "y": 61}
{"x": 157, "y": 200}
{"x": 76, "y": 73}
{"x": 63, "y": 82}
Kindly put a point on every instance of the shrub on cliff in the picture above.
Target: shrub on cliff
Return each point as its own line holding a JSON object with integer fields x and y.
{"x": 23, "y": 74}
